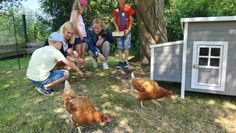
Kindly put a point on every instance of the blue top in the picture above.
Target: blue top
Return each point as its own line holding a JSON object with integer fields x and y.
{"x": 92, "y": 38}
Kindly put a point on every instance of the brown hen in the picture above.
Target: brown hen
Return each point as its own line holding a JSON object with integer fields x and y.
{"x": 146, "y": 89}
{"x": 81, "y": 109}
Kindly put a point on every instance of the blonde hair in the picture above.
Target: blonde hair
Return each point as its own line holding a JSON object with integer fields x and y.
{"x": 65, "y": 26}
{"x": 99, "y": 21}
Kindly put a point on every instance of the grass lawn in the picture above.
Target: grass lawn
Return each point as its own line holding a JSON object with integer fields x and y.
{"x": 24, "y": 110}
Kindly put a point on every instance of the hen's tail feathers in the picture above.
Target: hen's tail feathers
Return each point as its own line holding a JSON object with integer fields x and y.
{"x": 132, "y": 75}
{"x": 132, "y": 88}
{"x": 67, "y": 84}
{"x": 68, "y": 90}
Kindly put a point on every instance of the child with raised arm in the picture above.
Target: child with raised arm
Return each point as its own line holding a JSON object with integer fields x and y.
{"x": 79, "y": 27}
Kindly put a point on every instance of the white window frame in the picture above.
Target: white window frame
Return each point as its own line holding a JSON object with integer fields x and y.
{"x": 223, "y": 64}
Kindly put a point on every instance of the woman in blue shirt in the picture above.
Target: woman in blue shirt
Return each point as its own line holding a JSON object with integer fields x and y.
{"x": 98, "y": 41}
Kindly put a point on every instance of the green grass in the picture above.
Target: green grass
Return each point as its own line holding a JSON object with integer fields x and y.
{"x": 23, "y": 109}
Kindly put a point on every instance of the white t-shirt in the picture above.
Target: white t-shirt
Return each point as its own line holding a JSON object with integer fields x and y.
{"x": 81, "y": 25}
{"x": 65, "y": 46}
{"x": 42, "y": 61}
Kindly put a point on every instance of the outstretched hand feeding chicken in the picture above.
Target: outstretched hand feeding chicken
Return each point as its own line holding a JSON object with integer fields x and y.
{"x": 81, "y": 109}
{"x": 146, "y": 89}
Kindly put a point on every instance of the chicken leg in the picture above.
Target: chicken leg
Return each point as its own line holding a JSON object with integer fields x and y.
{"x": 79, "y": 130}
{"x": 141, "y": 104}
{"x": 156, "y": 103}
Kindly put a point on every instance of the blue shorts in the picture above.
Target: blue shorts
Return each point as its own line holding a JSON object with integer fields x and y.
{"x": 78, "y": 41}
{"x": 124, "y": 42}
{"x": 54, "y": 75}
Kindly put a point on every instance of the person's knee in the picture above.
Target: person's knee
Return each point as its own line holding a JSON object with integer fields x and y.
{"x": 78, "y": 48}
{"x": 75, "y": 54}
{"x": 66, "y": 74}
{"x": 80, "y": 60}
{"x": 127, "y": 45}
{"x": 106, "y": 44}
{"x": 70, "y": 51}
{"x": 92, "y": 54}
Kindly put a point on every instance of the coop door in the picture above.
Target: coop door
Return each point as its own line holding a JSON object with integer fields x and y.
{"x": 209, "y": 65}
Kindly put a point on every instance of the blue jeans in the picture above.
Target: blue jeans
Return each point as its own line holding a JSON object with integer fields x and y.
{"x": 54, "y": 75}
{"x": 78, "y": 41}
{"x": 124, "y": 42}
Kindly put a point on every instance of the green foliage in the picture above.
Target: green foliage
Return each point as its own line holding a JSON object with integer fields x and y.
{"x": 222, "y": 8}
{"x": 58, "y": 9}
{"x": 102, "y": 9}
{"x": 60, "y": 12}
{"x": 38, "y": 28}
{"x": 196, "y": 8}
{"x": 12, "y": 28}
{"x": 174, "y": 10}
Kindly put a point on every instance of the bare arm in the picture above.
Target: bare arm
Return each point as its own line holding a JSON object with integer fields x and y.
{"x": 116, "y": 26}
{"x": 73, "y": 66}
{"x": 74, "y": 16}
{"x": 100, "y": 42}
{"x": 70, "y": 52}
{"x": 130, "y": 26}
{"x": 101, "y": 57}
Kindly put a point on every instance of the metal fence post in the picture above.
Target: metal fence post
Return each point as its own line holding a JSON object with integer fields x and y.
{"x": 17, "y": 47}
{"x": 24, "y": 28}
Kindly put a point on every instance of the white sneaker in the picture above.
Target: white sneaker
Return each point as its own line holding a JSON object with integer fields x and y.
{"x": 105, "y": 65}
{"x": 95, "y": 64}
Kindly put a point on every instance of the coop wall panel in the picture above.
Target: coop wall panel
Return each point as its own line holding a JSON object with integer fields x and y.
{"x": 168, "y": 63}
{"x": 213, "y": 31}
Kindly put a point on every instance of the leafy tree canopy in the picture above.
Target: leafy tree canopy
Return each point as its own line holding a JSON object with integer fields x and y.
{"x": 195, "y": 8}
{"x": 60, "y": 10}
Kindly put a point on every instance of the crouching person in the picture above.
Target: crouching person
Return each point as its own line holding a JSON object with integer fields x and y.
{"x": 41, "y": 70}
{"x": 66, "y": 31}
{"x": 98, "y": 41}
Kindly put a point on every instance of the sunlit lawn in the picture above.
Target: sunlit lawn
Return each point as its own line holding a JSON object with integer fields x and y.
{"x": 24, "y": 110}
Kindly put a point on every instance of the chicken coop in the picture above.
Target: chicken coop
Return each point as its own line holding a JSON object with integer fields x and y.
{"x": 204, "y": 61}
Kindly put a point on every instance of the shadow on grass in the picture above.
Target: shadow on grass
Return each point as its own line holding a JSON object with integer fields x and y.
{"x": 23, "y": 109}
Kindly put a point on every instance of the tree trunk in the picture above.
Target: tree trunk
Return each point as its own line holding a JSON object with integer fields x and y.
{"x": 152, "y": 28}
